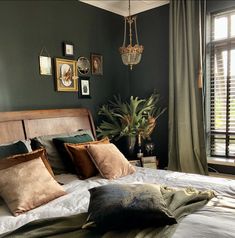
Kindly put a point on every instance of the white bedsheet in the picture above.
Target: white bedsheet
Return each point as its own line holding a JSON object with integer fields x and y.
{"x": 216, "y": 219}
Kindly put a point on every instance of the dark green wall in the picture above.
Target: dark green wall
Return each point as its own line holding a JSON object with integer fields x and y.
{"x": 27, "y": 26}
{"x": 152, "y": 72}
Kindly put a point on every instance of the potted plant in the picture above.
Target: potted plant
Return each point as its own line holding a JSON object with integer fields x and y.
{"x": 127, "y": 120}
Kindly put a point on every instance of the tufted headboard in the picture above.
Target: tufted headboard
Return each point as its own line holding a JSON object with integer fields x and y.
{"x": 18, "y": 125}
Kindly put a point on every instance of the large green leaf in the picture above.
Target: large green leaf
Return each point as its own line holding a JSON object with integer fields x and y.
{"x": 122, "y": 118}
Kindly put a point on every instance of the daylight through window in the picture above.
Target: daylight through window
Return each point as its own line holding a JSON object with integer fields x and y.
{"x": 222, "y": 85}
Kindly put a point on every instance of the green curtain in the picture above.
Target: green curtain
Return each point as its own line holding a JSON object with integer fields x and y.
{"x": 187, "y": 152}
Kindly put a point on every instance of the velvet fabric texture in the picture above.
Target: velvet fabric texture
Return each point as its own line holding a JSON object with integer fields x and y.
{"x": 125, "y": 206}
{"x": 13, "y": 149}
{"x": 17, "y": 159}
{"x": 59, "y": 144}
{"x": 110, "y": 162}
{"x": 28, "y": 185}
{"x": 84, "y": 166}
{"x": 54, "y": 157}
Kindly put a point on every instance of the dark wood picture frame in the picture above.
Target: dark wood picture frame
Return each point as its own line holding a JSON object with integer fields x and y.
{"x": 85, "y": 91}
{"x": 96, "y": 64}
{"x": 68, "y": 49}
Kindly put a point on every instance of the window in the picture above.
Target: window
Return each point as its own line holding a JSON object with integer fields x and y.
{"x": 222, "y": 85}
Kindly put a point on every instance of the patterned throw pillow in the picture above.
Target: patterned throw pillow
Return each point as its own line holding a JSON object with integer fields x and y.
{"x": 126, "y": 206}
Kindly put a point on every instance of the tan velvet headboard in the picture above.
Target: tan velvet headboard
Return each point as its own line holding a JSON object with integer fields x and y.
{"x": 20, "y": 125}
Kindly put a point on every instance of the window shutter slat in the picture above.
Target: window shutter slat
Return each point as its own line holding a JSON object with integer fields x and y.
{"x": 222, "y": 86}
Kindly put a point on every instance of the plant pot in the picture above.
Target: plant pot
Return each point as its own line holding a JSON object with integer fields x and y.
{"x": 127, "y": 145}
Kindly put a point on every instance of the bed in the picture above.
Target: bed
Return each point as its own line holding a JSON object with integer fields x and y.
{"x": 215, "y": 219}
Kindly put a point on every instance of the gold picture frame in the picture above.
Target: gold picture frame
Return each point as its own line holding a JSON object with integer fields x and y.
{"x": 66, "y": 75}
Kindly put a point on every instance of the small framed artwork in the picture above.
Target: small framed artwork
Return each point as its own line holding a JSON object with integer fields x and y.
{"x": 96, "y": 64}
{"x": 68, "y": 49}
{"x": 45, "y": 65}
{"x": 66, "y": 75}
{"x": 85, "y": 88}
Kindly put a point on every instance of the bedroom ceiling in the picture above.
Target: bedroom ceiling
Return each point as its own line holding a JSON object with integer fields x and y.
{"x": 121, "y": 6}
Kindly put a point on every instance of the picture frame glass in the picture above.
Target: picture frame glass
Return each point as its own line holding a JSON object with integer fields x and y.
{"x": 85, "y": 88}
{"x": 69, "y": 49}
{"x": 97, "y": 64}
{"x": 45, "y": 65}
{"x": 66, "y": 75}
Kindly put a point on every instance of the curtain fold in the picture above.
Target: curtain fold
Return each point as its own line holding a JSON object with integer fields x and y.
{"x": 187, "y": 151}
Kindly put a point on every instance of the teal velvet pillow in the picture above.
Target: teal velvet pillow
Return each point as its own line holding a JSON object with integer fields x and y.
{"x": 53, "y": 155}
{"x": 126, "y": 206}
{"x": 13, "y": 149}
{"x": 59, "y": 144}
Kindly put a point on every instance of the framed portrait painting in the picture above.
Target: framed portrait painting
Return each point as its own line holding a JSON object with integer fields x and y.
{"x": 96, "y": 64}
{"x": 66, "y": 75}
{"x": 85, "y": 87}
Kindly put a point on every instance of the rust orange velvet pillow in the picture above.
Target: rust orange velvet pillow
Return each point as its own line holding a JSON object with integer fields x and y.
{"x": 110, "y": 162}
{"x": 17, "y": 159}
{"x": 84, "y": 166}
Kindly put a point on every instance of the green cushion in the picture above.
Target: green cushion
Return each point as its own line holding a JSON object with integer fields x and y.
{"x": 54, "y": 157}
{"x": 59, "y": 144}
{"x": 126, "y": 206}
{"x": 13, "y": 149}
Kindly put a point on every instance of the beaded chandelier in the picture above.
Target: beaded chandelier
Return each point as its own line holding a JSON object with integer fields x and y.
{"x": 131, "y": 54}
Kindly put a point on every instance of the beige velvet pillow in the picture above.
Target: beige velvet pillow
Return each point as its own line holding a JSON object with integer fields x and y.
{"x": 28, "y": 185}
{"x": 110, "y": 162}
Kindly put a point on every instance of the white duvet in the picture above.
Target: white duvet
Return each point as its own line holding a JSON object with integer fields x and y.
{"x": 216, "y": 219}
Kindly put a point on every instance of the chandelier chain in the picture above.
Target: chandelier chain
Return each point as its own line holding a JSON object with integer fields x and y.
{"x": 136, "y": 34}
{"x": 124, "y": 40}
{"x": 130, "y": 31}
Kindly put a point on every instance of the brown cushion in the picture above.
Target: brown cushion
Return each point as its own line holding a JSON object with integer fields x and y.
{"x": 16, "y": 159}
{"x": 84, "y": 166}
{"x": 110, "y": 162}
{"x": 28, "y": 185}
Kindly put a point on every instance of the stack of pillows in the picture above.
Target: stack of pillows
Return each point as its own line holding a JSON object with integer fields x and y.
{"x": 24, "y": 172}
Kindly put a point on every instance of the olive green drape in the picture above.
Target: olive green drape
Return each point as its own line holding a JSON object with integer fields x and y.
{"x": 187, "y": 151}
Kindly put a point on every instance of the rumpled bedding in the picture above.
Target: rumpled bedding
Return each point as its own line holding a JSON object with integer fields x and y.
{"x": 216, "y": 219}
{"x": 180, "y": 202}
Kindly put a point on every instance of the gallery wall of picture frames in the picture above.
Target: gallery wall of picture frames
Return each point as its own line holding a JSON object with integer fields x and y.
{"x": 71, "y": 75}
